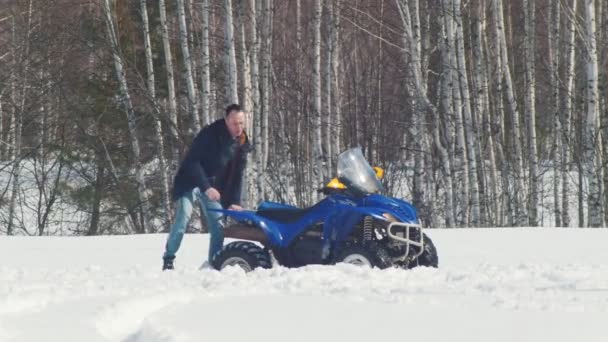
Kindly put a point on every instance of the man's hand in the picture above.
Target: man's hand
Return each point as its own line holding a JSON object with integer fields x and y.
{"x": 212, "y": 194}
{"x": 235, "y": 207}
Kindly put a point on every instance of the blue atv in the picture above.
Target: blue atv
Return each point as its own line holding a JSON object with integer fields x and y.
{"x": 352, "y": 224}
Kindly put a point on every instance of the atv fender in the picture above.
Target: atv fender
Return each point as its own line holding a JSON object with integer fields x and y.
{"x": 274, "y": 236}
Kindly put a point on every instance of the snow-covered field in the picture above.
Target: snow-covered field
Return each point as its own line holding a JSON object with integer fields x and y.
{"x": 492, "y": 285}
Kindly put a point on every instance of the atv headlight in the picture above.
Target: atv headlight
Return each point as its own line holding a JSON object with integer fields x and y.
{"x": 390, "y": 217}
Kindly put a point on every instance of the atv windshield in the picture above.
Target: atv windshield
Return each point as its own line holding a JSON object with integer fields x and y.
{"x": 355, "y": 172}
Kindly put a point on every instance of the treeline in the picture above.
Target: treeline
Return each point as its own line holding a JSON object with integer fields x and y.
{"x": 483, "y": 113}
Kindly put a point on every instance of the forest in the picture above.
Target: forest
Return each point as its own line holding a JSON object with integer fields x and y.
{"x": 483, "y": 113}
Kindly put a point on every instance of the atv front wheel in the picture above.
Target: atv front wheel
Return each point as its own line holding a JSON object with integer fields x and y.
{"x": 428, "y": 257}
{"x": 246, "y": 255}
{"x": 370, "y": 254}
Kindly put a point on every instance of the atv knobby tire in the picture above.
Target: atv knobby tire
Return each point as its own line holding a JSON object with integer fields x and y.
{"x": 246, "y": 255}
{"x": 370, "y": 254}
{"x": 428, "y": 257}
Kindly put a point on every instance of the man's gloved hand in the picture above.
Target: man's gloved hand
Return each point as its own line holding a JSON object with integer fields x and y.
{"x": 212, "y": 194}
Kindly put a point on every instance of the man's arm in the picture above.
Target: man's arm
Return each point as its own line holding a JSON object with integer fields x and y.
{"x": 192, "y": 163}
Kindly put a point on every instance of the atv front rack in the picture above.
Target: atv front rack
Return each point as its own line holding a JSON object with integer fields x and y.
{"x": 406, "y": 233}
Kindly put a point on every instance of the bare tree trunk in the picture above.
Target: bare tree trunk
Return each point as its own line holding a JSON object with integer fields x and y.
{"x": 515, "y": 117}
{"x": 316, "y": 97}
{"x": 481, "y": 100}
{"x": 205, "y": 67}
{"x": 256, "y": 168}
{"x": 183, "y": 39}
{"x": 157, "y": 123}
{"x": 337, "y": 76}
{"x": 460, "y": 152}
{"x": 445, "y": 107}
{"x": 328, "y": 87}
{"x": 470, "y": 130}
{"x": 530, "y": 104}
{"x": 554, "y": 39}
{"x": 266, "y": 80}
{"x": 230, "y": 55}
{"x": 126, "y": 101}
{"x": 246, "y": 62}
{"x": 594, "y": 204}
{"x": 170, "y": 83}
{"x": 568, "y": 113}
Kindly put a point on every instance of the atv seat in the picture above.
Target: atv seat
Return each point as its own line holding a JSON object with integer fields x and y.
{"x": 283, "y": 215}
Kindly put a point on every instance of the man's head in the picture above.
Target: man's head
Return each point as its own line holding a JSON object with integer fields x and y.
{"x": 235, "y": 120}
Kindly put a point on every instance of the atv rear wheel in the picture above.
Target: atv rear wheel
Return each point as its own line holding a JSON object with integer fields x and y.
{"x": 370, "y": 254}
{"x": 246, "y": 255}
{"x": 428, "y": 257}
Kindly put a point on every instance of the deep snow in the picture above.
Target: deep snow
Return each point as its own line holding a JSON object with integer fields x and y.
{"x": 517, "y": 284}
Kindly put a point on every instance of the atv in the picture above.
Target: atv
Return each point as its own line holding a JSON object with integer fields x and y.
{"x": 353, "y": 224}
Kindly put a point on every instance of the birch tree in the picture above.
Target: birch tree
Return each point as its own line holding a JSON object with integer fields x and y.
{"x": 316, "y": 97}
{"x": 591, "y": 120}
{"x": 157, "y": 123}
{"x": 192, "y": 102}
{"x": 530, "y": 107}
{"x": 445, "y": 106}
{"x": 481, "y": 104}
{"x": 554, "y": 36}
{"x": 513, "y": 110}
{"x": 230, "y": 55}
{"x": 128, "y": 107}
{"x": 172, "y": 100}
{"x": 255, "y": 167}
{"x": 460, "y": 160}
{"x": 568, "y": 113}
{"x": 205, "y": 67}
{"x": 337, "y": 76}
{"x": 468, "y": 117}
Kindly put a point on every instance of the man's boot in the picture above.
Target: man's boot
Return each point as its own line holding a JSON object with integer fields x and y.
{"x": 167, "y": 263}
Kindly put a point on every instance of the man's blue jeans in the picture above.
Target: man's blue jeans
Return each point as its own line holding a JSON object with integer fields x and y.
{"x": 182, "y": 217}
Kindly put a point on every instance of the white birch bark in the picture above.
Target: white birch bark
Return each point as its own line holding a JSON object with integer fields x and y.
{"x": 266, "y": 81}
{"x": 172, "y": 100}
{"x": 192, "y": 102}
{"x": 254, "y": 168}
{"x": 128, "y": 106}
{"x": 446, "y": 108}
{"x": 205, "y": 67}
{"x": 460, "y": 165}
{"x": 554, "y": 62}
{"x": 518, "y": 206}
{"x": 591, "y": 120}
{"x": 328, "y": 115}
{"x": 247, "y": 101}
{"x": 337, "y": 76}
{"x": 230, "y": 55}
{"x": 530, "y": 108}
{"x": 316, "y": 97}
{"x": 568, "y": 114}
{"x": 166, "y": 200}
{"x": 469, "y": 129}
{"x": 481, "y": 100}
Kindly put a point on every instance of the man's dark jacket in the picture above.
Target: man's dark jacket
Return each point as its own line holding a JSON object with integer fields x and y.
{"x": 215, "y": 159}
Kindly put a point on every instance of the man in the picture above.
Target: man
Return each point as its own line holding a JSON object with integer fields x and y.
{"x": 211, "y": 172}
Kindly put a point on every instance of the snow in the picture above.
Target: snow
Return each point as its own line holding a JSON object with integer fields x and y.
{"x": 518, "y": 284}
